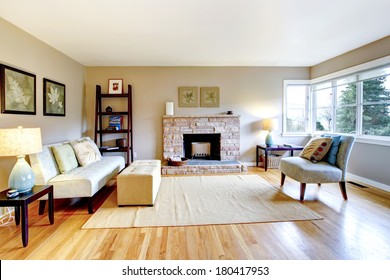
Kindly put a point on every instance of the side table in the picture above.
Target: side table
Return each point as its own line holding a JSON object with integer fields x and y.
{"x": 21, "y": 203}
{"x": 274, "y": 148}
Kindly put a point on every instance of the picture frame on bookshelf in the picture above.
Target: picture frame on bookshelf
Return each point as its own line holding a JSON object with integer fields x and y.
{"x": 17, "y": 90}
{"x": 115, "y": 86}
{"x": 53, "y": 98}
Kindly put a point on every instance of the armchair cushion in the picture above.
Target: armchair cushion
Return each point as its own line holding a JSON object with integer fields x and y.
{"x": 305, "y": 171}
{"x": 316, "y": 149}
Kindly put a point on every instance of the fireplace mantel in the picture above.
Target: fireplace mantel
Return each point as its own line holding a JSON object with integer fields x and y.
{"x": 227, "y": 125}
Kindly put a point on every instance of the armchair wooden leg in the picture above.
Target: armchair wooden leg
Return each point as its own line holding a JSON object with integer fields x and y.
{"x": 343, "y": 190}
{"x": 283, "y": 177}
{"x": 303, "y": 189}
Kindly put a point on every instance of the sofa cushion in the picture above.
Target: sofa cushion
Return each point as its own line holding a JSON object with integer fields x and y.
{"x": 316, "y": 149}
{"x": 85, "y": 181}
{"x": 44, "y": 165}
{"x": 65, "y": 157}
{"x": 85, "y": 152}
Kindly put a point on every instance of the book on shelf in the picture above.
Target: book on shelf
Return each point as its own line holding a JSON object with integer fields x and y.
{"x": 108, "y": 148}
{"x": 116, "y": 121}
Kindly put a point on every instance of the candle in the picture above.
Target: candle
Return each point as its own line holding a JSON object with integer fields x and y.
{"x": 169, "y": 108}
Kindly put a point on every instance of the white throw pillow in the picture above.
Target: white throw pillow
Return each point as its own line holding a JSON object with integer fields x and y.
{"x": 85, "y": 152}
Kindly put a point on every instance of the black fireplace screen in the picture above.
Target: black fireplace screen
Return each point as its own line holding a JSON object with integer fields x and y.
{"x": 202, "y": 146}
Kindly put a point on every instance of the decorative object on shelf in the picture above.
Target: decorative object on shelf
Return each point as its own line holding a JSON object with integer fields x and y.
{"x": 115, "y": 86}
{"x": 209, "y": 96}
{"x": 111, "y": 121}
{"x": 188, "y": 97}
{"x": 20, "y": 142}
{"x": 270, "y": 125}
{"x": 17, "y": 88}
{"x": 229, "y": 113}
{"x": 169, "y": 108}
{"x": 53, "y": 98}
{"x": 121, "y": 143}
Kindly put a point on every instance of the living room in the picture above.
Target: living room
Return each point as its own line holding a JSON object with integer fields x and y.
{"x": 252, "y": 92}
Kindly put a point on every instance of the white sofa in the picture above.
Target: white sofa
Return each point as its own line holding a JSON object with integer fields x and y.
{"x": 82, "y": 179}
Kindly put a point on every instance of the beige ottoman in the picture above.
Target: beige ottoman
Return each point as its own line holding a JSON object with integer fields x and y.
{"x": 138, "y": 185}
{"x": 153, "y": 162}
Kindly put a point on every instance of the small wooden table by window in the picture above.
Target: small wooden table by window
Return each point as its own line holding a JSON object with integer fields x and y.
{"x": 21, "y": 203}
{"x": 274, "y": 148}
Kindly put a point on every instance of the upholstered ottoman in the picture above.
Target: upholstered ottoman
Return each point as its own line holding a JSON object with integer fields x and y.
{"x": 138, "y": 184}
{"x": 153, "y": 162}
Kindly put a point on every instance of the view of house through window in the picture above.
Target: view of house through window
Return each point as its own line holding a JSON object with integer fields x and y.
{"x": 356, "y": 104}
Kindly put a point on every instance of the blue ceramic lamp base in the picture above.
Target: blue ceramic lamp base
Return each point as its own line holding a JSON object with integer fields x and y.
{"x": 22, "y": 177}
{"x": 268, "y": 140}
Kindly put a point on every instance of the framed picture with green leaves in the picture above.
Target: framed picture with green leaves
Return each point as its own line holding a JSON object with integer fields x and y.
{"x": 53, "y": 98}
{"x": 17, "y": 90}
{"x": 188, "y": 97}
{"x": 209, "y": 96}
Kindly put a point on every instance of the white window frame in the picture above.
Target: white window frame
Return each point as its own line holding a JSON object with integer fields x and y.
{"x": 287, "y": 83}
{"x": 378, "y": 140}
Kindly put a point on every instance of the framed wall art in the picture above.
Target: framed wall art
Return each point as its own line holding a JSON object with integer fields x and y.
{"x": 17, "y": 90}
{"x": 188, "y": 97}
{"x": 115, "y": 86}
{"x": 209, "y": 96}
{"x": 53, "y": 98}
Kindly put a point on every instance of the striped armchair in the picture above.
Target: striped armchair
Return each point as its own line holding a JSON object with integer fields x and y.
{"x": 306, "y": 172}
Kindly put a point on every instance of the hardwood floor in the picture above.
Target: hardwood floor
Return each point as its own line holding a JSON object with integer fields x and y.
{"x": 355, "y": 229}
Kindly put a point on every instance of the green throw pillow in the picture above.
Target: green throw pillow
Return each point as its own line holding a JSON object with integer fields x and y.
{"x": 65, "y": 157}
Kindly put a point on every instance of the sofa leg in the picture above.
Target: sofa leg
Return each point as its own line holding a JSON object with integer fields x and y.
{"x": 282, "y": 178}
{"x": 42, "y": 204}
{"x": 303, "y": 189}
{"x": 90, "y": 205}
{"x": 343, "y": 190}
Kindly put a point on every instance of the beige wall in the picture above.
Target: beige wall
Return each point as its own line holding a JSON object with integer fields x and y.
{"x": 375, "y": 50}
{"x": 20, "y": 50}
{"x": 368, "y": 161}
{"x": 251, "y": 92}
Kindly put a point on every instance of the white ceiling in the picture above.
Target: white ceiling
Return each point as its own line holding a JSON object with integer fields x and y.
{"x": 201, "y": 32}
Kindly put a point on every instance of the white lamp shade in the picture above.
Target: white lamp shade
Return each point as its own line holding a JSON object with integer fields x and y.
{"x": 20, "y": 141}
{"x": 270, "y": 124}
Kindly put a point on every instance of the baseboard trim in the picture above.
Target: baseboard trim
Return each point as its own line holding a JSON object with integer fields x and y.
{"x": 363, "y": 180}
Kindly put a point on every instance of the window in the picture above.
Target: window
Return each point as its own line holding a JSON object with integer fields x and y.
{"x": 357, "y": 104}
{"x": 296, "y": 104}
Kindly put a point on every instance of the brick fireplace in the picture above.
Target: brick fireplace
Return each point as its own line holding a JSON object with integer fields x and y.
{"x": 220, "y": 132}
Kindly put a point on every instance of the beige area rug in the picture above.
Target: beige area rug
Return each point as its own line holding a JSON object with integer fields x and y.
{"x": 205, "y": 200}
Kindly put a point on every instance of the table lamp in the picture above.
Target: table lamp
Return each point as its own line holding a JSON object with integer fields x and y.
{"x": 20, "y": 142}
{"x": 270, "y": 125}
